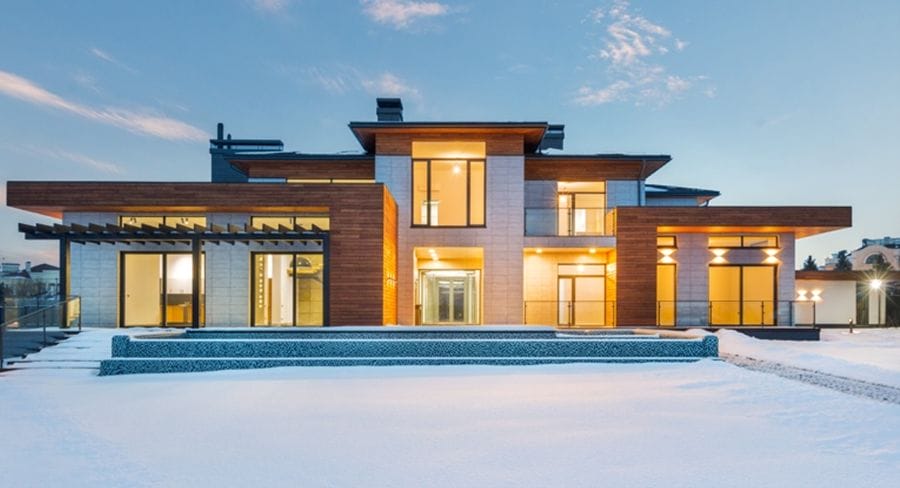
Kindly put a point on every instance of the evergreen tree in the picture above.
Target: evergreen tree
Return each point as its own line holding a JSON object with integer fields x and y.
{"x": 810, "y": 264}
{"x": 880, "y": 265}
{"x": 843, "y": 261}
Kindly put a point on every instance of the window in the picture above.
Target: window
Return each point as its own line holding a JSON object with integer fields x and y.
{"x": 448, "y": 184}
{"x": 665, "y": 294}
{"x": 157, "y": 220}
{"x": 742, "y": 295}
{"x": 743, "y": 241}
{"x": 288, "y": 289}
{"x": 581, "y": 208}
{"x": 666, "y": 241}
{"x": 321, "y": 221}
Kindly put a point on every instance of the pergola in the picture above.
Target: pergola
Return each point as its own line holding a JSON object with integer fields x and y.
{"x": 195, "y": 236}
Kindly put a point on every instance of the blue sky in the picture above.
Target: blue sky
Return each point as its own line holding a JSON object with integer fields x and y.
{"x": 770, "y": 102}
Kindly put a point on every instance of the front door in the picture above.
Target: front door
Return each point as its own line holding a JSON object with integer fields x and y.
{"x": 581, "y": 301}
{"x": 450, "y": 297}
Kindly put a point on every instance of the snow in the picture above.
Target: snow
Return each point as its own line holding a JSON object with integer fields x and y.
{"x": 871, "y": 355}
{"x": 698, "y": 424}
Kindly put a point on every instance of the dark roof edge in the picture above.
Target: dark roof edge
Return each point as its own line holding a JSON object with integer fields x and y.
{"x": 412, "y": 125}
{"x": 608, "y": 156}
{"x": 301, "y": 156}
{"x": 680, "y": 191}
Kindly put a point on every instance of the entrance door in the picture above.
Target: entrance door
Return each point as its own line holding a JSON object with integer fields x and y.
{"x": 450, "y": 297}
{"x": 581, "y": 301}
{"x": 742, "y": 295}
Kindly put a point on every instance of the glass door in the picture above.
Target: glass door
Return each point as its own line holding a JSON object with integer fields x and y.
{"x": 142, "y": 289}
{"x": 288, "y": 289}
{"x": 450, "y": 297}
{"x": 581, "y": 301}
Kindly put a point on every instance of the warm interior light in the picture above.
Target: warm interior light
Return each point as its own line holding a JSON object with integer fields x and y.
{"x": 539, "y": 250}
{"x": 581, "y": 268}
{"x": 456, "y": 169}
{"x": 592, "y": 250}
{"x": 563, "y": 200}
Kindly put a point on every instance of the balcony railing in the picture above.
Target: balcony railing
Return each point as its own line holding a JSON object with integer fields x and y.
{"x": 554, "y": 221}
{"x": 571, "y": 313}
{"x": 21, "y": 325}
{"x": 725, "y": 313}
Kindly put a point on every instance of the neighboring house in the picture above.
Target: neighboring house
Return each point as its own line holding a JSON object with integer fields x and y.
{"x": 871, "y": 252}
{"x": 844, "y": 297}
{"x": 432, "y": 223}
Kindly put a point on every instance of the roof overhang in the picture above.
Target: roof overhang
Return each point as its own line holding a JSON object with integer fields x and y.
{"x": 531, "y": 132}
{"x": 288, "y": 165}
{"x": 614, "y": 166}
{"x": 853, "y": 275}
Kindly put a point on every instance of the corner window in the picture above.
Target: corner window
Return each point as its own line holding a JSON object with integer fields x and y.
{"x": 448, "y": 184}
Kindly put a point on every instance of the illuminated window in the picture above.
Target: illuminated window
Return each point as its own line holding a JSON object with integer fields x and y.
{"x": 448, "y": 184}
{"x": 157, "y": 220}
{"x": 665, "y": 241}
{"x": 665, "y": 294}
{"x": 742, "y": 295}
{"x": 321, "y": 221}
{"x": 742, "y": 241}
{"x": 581, "y": 208}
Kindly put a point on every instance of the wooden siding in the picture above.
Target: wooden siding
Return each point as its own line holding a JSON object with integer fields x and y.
{"x": 363, "y": 217}
{"x": 637, "y": 228}
{"x": 588, "y": 169}
{"x": 496, "y": 144}
{"x": 308, "y": 169}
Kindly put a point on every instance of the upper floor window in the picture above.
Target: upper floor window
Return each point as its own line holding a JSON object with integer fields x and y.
{"x": 582, "y": 208}
{"x": 448, "y": 184}
{"x": 157, "y": 220}
{"x": 321, "y": 221}
{"x": 743, "y": 241}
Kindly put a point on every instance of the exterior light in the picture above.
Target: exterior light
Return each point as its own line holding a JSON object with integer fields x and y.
{"x": 456, "y": 169}
{"x": 801, "y": 295}
{"x": 539, "y": 250}
{"x": 432, "y": 251}
{"x": 592, "y": 250}
{"x": 719, "y": 256}
{"x": 771, "y": 252}
{"x": 563, "y": 200}
{"x": 816, "y": 295}
{"x": 875, "y": 284}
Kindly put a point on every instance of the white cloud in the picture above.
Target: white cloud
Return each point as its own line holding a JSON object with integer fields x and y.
{"x": 400, "y": 14}
{"x": 105, "y": 56}
{"x": 633, "y": 49}
{"x": 270, "y": 6}
{"x": 344, "y": 79}
{"x": 86, "y": 81}
{"x": 144, "y": 123}
{"x": 391, "y": 85}
{"x": 74, "y": 157}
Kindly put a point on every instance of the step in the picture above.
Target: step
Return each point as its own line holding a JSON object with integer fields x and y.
{"x": 120, "y": 366}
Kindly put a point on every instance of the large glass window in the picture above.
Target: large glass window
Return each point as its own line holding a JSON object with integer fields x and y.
{"x": 582, "y": 208}
{"x": 288, "y": 289}
{"x": 665, "y": 294}
{"x": 448, "y": 184}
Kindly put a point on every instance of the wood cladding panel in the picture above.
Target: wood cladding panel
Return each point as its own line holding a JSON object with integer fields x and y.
{"x": 587, "y": 170}
{"x": 637, "y": 228}
{"x": 495, "y": 144}
{"x": 308, "y": 169}
{"x": 359, "y": 225}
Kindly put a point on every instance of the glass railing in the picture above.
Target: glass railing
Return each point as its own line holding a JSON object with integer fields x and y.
{"x": 570, "y": 313}
{"x": 734, "y": 313}
{"x": 29, "y": 324}
{"x": 546, "y": 221}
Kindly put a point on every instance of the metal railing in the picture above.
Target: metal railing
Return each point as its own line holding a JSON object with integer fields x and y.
{"x": 555, "y": 221}
{"x": 25, "y": 322}
{"x": 734, "y": 313}
{"x": 570, "y": 313}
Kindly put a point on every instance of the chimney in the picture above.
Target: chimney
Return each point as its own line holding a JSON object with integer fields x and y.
{"x": 553, "y": 137}
{"x": 389, "y": 109}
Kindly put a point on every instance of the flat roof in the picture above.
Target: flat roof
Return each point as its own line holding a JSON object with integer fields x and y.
{"x": 532, "y": 132}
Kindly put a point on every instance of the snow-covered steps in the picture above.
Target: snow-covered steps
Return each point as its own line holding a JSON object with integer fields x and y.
{"x": 214, "y": 350}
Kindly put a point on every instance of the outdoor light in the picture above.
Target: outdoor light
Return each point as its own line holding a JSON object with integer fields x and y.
{"x": 771, "y": 252}
{"x": 667, "y": 255}
{"x": 719, "y": 256}
{"x": 563, "y": 200}
{"x": 801, "y": 295}
{"x": 875, "y": 284}
{"x": 816, "y": 295}
{"x": 456, "y": 169}
{"x": 539, "y": 250}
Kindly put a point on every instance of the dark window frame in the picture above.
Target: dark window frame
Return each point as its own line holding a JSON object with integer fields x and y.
{"x": 164, "y": 289}
{"x": 428, "y": 199}
{"x": 325, "y": 286}
{"x": 744, "y": 246}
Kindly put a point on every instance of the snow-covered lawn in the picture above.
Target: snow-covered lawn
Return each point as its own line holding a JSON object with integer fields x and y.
{"x": 868, "y": 354}
{"x": 699, "y": 424}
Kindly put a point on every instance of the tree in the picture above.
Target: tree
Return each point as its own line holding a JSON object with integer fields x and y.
{"x": 810, "y": 264}
{"x": 842, "y": 263}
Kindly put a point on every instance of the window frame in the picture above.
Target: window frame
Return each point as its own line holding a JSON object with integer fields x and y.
{"x": 428, "y": 199}
{"x": 743, "y": 245}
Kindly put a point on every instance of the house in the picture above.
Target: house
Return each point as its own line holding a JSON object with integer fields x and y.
{"x": 452, "y": 223}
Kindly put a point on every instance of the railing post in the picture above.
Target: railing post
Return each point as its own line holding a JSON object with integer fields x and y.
{"x": 814, "y": 313}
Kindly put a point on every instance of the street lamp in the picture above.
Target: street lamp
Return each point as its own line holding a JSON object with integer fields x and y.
{"x": 875, "y": 285}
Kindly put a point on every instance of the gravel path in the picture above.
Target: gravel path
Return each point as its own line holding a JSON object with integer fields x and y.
{"x": 874, "y": 391}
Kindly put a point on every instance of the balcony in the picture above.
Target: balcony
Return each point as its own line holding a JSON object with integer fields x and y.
{"x": 725, "y": 313}
{"x": 567, "y": 222}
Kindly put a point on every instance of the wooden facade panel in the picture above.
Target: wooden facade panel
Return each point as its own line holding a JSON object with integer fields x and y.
{"x": 495, "y": 144}
{"x": 587, "y": 170}
{"x": 308, "y": 169}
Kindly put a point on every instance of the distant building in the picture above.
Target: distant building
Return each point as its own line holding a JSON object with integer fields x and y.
{"x": 867, "y": 255}
{"x": 44, "y": 275}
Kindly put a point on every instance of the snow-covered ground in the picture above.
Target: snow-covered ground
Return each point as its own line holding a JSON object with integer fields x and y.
{"x": 700, "y": 424}
{"x": 871, "y": 355}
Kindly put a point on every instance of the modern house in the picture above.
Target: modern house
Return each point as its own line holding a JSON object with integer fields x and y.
{"x": 431, "y": 223}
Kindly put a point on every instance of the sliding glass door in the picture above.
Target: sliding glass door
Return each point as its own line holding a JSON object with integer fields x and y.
{"x": 157, "y": 289}
{"x": 288, "y": 289}
{"x": 742, "y": 295}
